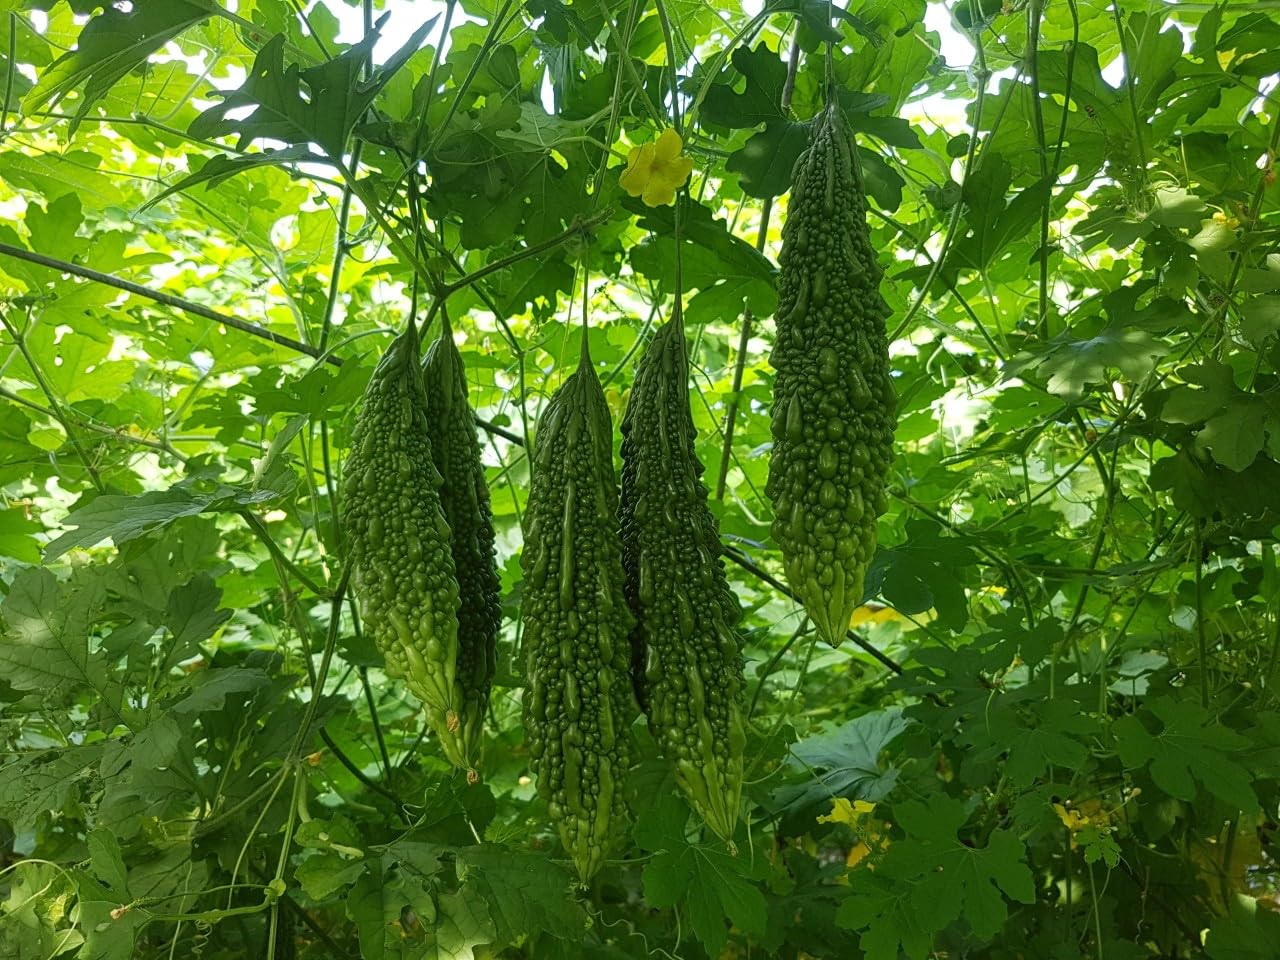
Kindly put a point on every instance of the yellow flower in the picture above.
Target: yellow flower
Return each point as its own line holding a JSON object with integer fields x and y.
{"x": 1090, "y": 813}
{"x": 857, "y": 854}
{"x": 875, "y": 614}
{"x": 655, "y": 171}
{"x": 844, "y": 811}
{"x": 1073, "y": 820}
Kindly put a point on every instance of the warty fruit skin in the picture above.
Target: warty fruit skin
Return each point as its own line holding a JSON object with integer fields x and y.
{"x": 398, "y": 540}
{"x": 833, "y": 397}
{"x": 686, "y": 655}
{"x": 464, "y": 498}
{"x": 578, "y": 705}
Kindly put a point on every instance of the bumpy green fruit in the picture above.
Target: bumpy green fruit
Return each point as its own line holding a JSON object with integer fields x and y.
{"x": 398, "y": 539}
{"x": 578, "y": 706}
{"x": 686, "y": 654}
{"x": 833, "y": 399}
{"x": 455, "y": 450}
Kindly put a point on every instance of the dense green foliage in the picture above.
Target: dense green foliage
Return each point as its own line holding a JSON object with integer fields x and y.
{"x": 833, "y": 400}
{"x": 398, "y": 540}
{"x": 464, "y": 498}
{"x": 687, "y": 661}
{"x": 579, "y": 706}
{"x": 1053, "y": 729}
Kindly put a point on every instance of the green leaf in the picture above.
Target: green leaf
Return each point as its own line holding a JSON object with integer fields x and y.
{"x": 700, "y": 880}
{"x": 210, "y": 689}
{"x": 844, "y": 762}
{"x": 121, "y": 519}
{"x": 335, "y": 99}
{"x": 1188, "y": 405}
{"x": 1204, "y": 489}
{"x": 461, "y": 925}
{"x": 107, "y": 936}
{"x": 321, "y": 393}
{"x": 220, "y": 168}
{"x": 890, "y": 923}
{"x": 17, "y": 535}
{"x": 1260, "y": 318}
{"x": 1099, "y": 845}
{"x": 993, "y": 223}
{"x": 1236, "y": 436}
{"x": 193, "y": 617}
{"x": 524, "y": 893}
{"x": 325, "y": 873}
{"x": 36, "y": 784}
{"x": 724, "y": 268}
{"x": 764, "y": 163}
{"x": 920, "y": 574}
{"x": 1188, "y": 747}
{"x": 1035, "y": 739}
{"x": 109, "y": 46}
{"x": 55, "y": 175}
{"x": 761, "y": 99}
{"x": 1248, "y": 932}
{"x": 35, "y": 912}
{"x": 1072, "y": 362}
{"x": 711, "y": 886}
{"x": 947, "y": 878}
{"x": 108, "y": 862}
{"x": 387, "y": 911}
{"x": 45, "y": 643}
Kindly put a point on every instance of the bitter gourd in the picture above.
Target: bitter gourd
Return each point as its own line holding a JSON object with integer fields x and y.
{"x": 687, "y": 658}
{"x": 455, "y": 450}
{"x": 578, "y": 706}
{"x": 398, "y": 539}
{"x": 833, "y": 399}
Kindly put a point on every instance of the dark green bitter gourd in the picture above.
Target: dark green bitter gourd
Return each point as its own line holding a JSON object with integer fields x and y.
{"x": 578, "y": 705}
{"x": 455, "y": 450}
{"x": 398, "y": 539}
{"x": 687, "y": 658}
{"x": 833, "y": 399}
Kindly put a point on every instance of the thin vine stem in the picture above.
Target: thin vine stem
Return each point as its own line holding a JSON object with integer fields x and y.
{"x": 10, "y": 66}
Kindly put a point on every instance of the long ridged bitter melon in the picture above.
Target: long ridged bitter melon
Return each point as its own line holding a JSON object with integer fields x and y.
{"x": 398, "y": 539}
{"x": 464, "y": 497}
{"x": 578, "y": 705}
{"x": 686, "y": 654}
{"x": 833, "y": 399}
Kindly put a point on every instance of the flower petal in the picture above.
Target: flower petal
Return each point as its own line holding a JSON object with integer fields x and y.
{"x": 659, "y": 193}
{"x": 668, "y": 145}
{"x": 639, "y": 170}
{"x": 677, "y": 171}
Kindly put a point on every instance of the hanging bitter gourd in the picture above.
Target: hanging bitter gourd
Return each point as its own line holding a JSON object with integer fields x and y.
{"x": 833, "y": 399}
{"x": 464, "y": 497}
{"x": 578, "y": 705}
{"x": 398, "y": 540}
{"x": 687, "y": 658}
